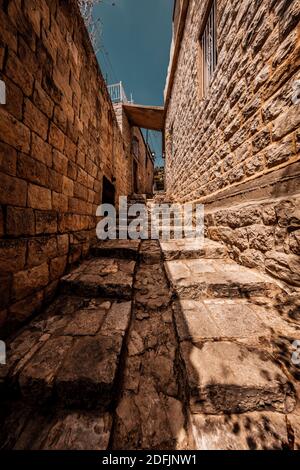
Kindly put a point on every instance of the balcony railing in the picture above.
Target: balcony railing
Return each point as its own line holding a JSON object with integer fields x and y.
{"x": 117, "y": 93}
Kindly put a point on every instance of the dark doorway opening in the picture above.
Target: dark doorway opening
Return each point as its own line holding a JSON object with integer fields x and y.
{"x": 108, "y": 192}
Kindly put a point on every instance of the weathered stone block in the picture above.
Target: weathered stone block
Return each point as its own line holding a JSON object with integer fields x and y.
{"x": 41, "y": 250}
{"x": 62, "y": 244}
{"x": 46, "y": 222}
{"x": 35, "y": 119}
{"x": 263, "y": 430}
{"x": 58, "y": 267}
{"x": 37, "y": 378}
{"x": 283, "y": 266}
{"x": 56, "y": 137}
{"x": 20, "y": 221}
{"x": 12, "y": 255}
{"x": 287, "y": 122}
{"x": 8, "y": 159}
{"x": 260, "y": 237}
{"x": 19, "y": 74}
{"x": 14, "y": 132}
{"x": 252, "y": 258}
{"x": 24, "y": 309}
{"x": 26, "y": 282}
{"x": 39, "y": 198}
{"x": 40, "y": 150}
{"x": 253, "y": 381}
{"x": 31, "y": 170}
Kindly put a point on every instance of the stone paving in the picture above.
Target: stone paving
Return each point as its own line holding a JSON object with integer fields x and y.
{"x": 150, "y": 414}
{"x": 235, "y": 329}
{"x": 156, "y": 345}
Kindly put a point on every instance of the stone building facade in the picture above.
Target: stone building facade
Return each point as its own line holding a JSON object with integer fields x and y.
{"x": 59, "y": 142}
{"x": 138, "y": 153}
{"x": 234, "y": 145}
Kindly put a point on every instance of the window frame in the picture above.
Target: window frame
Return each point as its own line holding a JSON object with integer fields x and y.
{"x": 209, "y": 27}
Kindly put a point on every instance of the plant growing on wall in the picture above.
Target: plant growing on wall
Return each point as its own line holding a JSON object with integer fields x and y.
{"x": 92, "y": 23}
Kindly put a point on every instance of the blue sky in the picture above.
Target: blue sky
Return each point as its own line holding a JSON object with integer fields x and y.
{"x": 135, "y": 45}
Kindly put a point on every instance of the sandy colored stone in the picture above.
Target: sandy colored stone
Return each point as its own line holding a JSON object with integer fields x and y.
{"x": 189, "y": 248}
{"x": 196, "y": 279}
{"x": 247, "y": 431}
{"x": 227, "y": 377}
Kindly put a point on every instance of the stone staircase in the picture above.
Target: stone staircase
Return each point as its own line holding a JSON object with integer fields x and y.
{"x": 64, "y": 368}
{"x": 155, "y": 345}
{"x": 238, "y": 392}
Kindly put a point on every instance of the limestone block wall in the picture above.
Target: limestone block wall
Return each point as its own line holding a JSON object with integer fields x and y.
{"x": 145, "y": 165}
{"x": 243, "y": 135}
{"x": 58, "y": 137}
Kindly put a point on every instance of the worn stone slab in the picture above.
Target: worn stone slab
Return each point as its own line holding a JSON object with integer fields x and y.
{"x": 18, "y": 353}
{"x": 27, "y": 428}
{"x": 149, "y": 420}
{"x": 79, "y": 431}
{"x": 227, "y": 319}
{"x": 75, "y": 342}
{"x": 124, "y": 249}
{"x": 226, "y": 377}
{"x": 37, "y": 378}
{"x": 89, "y": 371}
{"x": 150, "y": 252}
{"x": 200, "y": 278}
{"x": 248, "y": 431}
{"x": 101, "y": 277}
{"x": 151, "y": 288}
{"x": 192, "y": 248}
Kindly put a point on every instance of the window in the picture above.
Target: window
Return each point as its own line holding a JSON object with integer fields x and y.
{"x": 208, "y": 45}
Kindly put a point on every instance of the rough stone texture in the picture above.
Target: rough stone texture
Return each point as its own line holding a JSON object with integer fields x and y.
{"x": 150, "y": 413}
{"x": 236, "y": 148}
{"x": 229, "y": 378}
{"x": 71, "y": 352}
{"x": 246, "y": 122}
{"x": 248, "y": 431}
{"x": 59, "y": 137}
{"x": 101, "y": 277}
{"x": 28, "y": 428}
{"x": 263, "y": 236}
{"x": 127, "y": 249}
{"x": 185, "y": 249}
{"x": 200, "y": 278}
{"x": 234, "y": 320}
{"x": 139, "y": 153}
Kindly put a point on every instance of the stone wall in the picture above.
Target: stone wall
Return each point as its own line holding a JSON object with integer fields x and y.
{"x": 145, "y": 165}
{"x": 58, "y": 138}
{"x": 233, "y": 141}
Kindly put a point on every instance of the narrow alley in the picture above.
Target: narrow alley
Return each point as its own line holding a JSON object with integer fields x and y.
{"x": 155, "y": 342}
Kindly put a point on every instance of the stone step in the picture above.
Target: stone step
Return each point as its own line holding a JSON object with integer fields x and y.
{"x": 27, "y": 428}
{"x": 194, "y": 248}
{"x": 70, "y": 354}
{"x": 204, "y": 278}
{"x": 103, "y": 277}
{"x": 226, "y": 377}
{"x": 204, "y": 320}
{"x": 169, "y": 232}
{"x": 123, "y": 249}
{"x": 248, "y": 431}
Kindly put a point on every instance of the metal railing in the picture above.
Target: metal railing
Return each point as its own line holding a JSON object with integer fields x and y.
{"x": 117, "y": 93}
